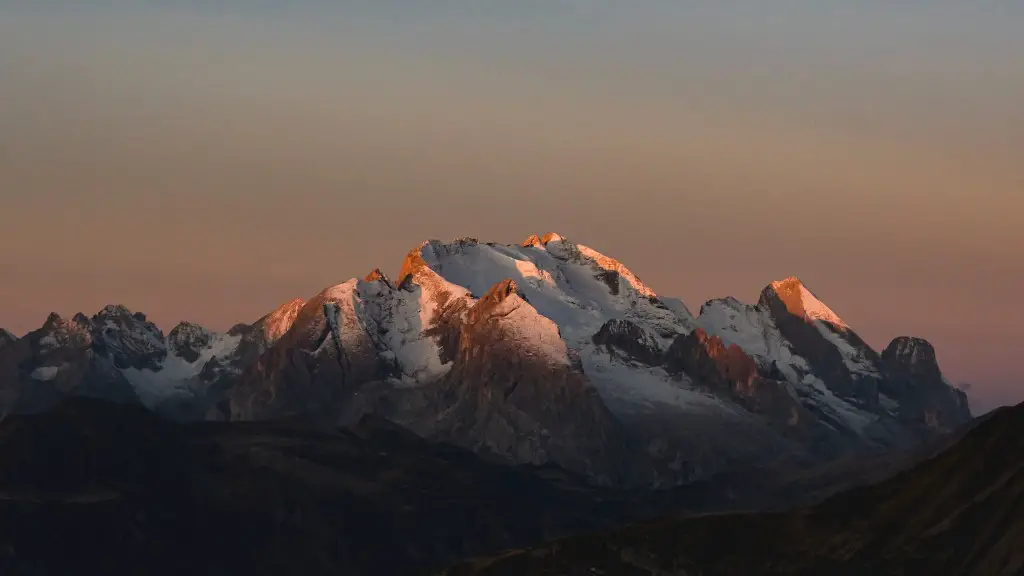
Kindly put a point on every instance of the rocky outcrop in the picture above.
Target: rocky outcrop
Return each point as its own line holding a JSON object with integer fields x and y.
{"x": 376, "y": 275}
{"x": 187, "y": 340}
{"x": 60, "y": 359}
{"x": 514, "y": 392}
{"x": 6, "y": 338}
{"x": 728, "y": 371}
{"x": 128, "y": 338}
{"x": 626, "y": 339}
{"x": 313, "y": 370}
{"x": 914, "y": 380}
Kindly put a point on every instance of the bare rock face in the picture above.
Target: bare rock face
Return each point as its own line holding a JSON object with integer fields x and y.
{"x": 128, "y": 339}
{"x": 821, "y": 340}
{"x": 6, "y": 338}
{"x": 625, "y": 338}
{"x": 376, "y": 275}
{"x": 313, "y": 369}
{"x": 187, "y": 340}
{"x": 916, "y": 382}
{"x": 60, "y": 359}
{"x": 729, "y": 371}
{"x": 513, "y": 391}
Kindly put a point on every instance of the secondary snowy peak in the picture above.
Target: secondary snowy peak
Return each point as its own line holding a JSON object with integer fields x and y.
{"x": 801, "y": 302}
{"x": 188, "y": 340}
{"x": 57, "y": 332}
{"x": 128, "y": 338}
{"x": 6, "y": 337}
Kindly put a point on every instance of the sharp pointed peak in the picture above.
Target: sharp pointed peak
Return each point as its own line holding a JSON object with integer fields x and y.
{"x": 278, "y": 322}
{"x": 412, "y": 265}
{"x": 788, "y": 282}
{"x": 376, "y": 275}
{"x": 800, "y": 301}
{"x": 52, "y": 320}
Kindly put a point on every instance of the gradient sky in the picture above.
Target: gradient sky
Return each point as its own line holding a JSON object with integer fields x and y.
{"x": 207, "y": 160}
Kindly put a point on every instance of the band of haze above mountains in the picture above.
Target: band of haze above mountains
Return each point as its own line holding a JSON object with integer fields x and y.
{"x": 492, "y": 397}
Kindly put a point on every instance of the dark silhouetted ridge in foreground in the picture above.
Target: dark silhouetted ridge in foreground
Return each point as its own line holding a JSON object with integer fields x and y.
{"x": 961, "y": 512}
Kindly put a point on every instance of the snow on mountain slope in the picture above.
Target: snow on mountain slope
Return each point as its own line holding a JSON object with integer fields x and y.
{"x": 576, "y": 287}
{"x": 856, "y": 358}
{"x": 176, "y": 375}
{"x": 505, "y": 346}
{"x": 536, "y": 334}
{"x": 129, "y": 339}
{"x": 799, "y": 302}
{"x": 397, "y": 320}
{"x": 753, "y": 329}
{"x": 580, "y": 290}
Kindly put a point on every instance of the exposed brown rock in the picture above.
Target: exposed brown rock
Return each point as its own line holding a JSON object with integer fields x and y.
{"x": 916, "y": 382}
{"x": 532, "y": 241}
{"x": 826, "y": 361}
{"x": 376, "y": 275}
{"x": 624, "y": 337}
{"x": 501, "y": 398}
{"x": 731, "y": 373}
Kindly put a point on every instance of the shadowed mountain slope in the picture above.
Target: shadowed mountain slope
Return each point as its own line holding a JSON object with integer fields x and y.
{"x": 961, "y": 512}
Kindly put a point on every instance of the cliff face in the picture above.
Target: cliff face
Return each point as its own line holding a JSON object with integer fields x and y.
{"x": 515, "y": 390}
{"x": 915, "y": 381}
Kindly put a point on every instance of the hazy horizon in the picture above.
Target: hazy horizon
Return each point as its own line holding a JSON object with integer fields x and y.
{"x": 206, "y": 161}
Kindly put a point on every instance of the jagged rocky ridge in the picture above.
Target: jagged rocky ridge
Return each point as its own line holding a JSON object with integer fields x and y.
{"x": 542, "y": 352}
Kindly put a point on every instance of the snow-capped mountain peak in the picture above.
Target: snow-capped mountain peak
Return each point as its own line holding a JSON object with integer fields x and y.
{"x": 536, "y": 351}
{"x": 800, "y": 301}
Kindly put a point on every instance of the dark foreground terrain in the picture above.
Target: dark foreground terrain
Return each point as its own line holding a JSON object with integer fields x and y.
{"x": 114, "y": 489}
{"x": 961, "y": 512}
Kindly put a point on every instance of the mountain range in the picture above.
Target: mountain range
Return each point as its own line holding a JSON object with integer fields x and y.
{"x": 540, "y": 353}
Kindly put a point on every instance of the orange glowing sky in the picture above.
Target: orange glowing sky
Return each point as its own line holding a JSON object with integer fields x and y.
{"x": 208, "y": 164}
